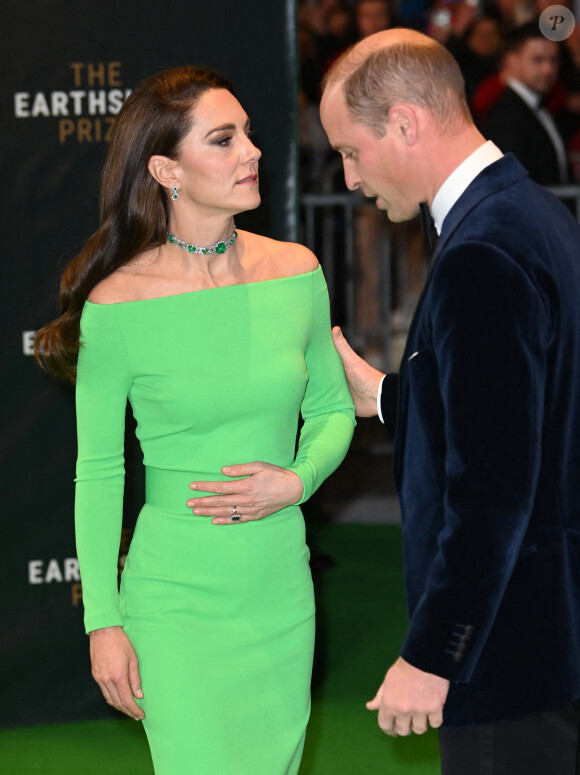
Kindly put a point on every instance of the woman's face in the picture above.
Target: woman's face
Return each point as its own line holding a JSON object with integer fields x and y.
{"x": 217, "y": 163}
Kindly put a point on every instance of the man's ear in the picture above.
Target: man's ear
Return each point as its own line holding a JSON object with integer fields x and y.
{"x": 163, "y": 170}
{"x": 402, "y": 121}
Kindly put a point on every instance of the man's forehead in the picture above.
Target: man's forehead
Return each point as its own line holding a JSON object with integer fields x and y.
{"x": 333, "y": 101}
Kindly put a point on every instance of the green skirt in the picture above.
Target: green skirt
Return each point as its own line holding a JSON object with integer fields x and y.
{"x": 222, "y": 620}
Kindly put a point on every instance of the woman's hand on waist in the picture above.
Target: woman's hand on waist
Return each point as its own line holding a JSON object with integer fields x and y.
{"x": 265, "y": 489}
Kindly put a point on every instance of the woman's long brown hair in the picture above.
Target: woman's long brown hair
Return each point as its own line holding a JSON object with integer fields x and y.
{"x": 133, "y": 206}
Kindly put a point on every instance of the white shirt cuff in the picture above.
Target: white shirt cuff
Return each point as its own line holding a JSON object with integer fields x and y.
{"x": 379, "y": 393}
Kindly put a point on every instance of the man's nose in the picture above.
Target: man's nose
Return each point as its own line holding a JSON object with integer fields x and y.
{"x": 351, "y": 177}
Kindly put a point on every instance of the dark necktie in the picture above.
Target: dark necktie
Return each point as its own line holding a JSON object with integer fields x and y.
{"x": 430, "y": 235}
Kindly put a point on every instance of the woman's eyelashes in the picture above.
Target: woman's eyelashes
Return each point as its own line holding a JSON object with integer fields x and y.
{"x": 226, "y": 140}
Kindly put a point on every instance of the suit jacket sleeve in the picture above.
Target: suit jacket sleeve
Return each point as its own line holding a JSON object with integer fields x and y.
{"x": 491, "y": 327}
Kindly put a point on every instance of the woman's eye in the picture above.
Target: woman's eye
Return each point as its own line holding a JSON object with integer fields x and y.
{"x": 223, "y": 141}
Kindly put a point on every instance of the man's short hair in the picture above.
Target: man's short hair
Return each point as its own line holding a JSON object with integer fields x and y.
{"x": 517, "y": 38}
{"x": 423, "y": 74}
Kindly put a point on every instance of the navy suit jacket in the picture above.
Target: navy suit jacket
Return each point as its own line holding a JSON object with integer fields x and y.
{"x": 487, "y": 453}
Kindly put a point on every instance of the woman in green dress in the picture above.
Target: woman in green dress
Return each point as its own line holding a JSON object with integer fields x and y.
{"x": 220, "y": 340}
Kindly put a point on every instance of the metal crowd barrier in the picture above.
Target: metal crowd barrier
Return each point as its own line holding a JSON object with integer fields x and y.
{"x": 333, "y": 229}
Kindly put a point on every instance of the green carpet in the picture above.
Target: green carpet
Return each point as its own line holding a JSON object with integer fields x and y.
{"x": 361, "y": 622}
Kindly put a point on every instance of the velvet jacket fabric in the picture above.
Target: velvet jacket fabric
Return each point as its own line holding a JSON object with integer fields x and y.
{"x": 487, "y": 453}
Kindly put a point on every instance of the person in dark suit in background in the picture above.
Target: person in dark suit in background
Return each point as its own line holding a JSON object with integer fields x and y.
{"x": 518, "y": 121}
{"x": 486, "y": 408}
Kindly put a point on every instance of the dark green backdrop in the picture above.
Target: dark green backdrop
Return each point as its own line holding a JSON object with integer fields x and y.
{"x": 64, "y": 70}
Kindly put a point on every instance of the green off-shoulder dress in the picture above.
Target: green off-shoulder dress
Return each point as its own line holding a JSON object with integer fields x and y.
{"x": 221, "y": 617}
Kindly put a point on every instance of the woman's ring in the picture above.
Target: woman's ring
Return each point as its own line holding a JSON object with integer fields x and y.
{"x": 235, "y": 515}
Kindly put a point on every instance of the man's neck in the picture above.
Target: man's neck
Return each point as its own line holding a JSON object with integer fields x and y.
{"x": 449, "y": 155}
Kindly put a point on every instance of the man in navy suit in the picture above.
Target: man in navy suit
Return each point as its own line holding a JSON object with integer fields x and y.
{"x": 486, "y": 408}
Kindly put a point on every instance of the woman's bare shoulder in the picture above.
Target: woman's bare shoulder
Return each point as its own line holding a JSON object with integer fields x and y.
{"x": 130, "y": 282}
{"x": 283, "y": 259}
{"x": 115, "y": 288}
{"x": 297, "y": 258}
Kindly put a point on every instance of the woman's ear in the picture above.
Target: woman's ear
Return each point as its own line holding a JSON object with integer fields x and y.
{"x": 162, "y": 169}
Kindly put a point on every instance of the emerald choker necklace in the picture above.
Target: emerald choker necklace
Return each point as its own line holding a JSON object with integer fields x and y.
{"x": 220, "y": 247}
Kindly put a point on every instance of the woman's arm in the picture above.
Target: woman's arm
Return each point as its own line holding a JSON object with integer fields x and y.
{"x": 103, "y": 383}
{"x": 327, "y": 408}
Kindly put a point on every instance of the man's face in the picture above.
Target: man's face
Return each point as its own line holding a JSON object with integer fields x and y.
{"x": 536, "y": 64}
{"x": 378, "y": 167}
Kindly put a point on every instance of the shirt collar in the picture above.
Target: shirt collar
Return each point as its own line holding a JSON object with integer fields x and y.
{"x": 529, "y": 96}
{"x": 459, "y": 180}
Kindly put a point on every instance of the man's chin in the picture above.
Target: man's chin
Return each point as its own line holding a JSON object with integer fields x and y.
{"x": 396, "y": 215}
